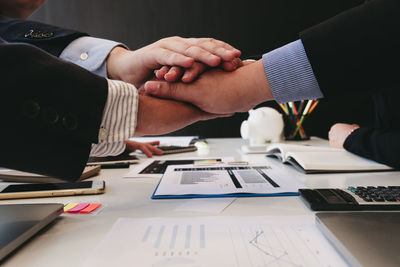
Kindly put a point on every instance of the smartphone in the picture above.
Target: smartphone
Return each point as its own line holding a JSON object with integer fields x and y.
{"x": 51, "y": 189}
{"x": 177, "y": 149}
{"x": 120, "y": 161}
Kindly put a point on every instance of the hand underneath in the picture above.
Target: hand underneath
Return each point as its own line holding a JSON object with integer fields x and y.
{"x": 217, "y": 91}
{"x": 339, "y": 133}
{"x": 148, "y": 148}
{"x": 160, "y": 116}
{"x": 137, "y": 66}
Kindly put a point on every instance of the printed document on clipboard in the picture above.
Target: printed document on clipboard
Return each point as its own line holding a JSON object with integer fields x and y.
{"x": 190, "y": 181}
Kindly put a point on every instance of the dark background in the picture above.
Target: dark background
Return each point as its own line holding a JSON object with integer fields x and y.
{"x": 255, "y": 27}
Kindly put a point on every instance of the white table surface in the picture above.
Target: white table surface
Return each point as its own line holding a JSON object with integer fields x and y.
{"x": 72, "y": 237}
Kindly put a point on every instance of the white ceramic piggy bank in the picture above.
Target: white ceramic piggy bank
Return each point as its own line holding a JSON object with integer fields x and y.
{"x": 264, "y": 125}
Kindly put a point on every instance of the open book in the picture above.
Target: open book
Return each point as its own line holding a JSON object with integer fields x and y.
{"x": 322, "y": 159}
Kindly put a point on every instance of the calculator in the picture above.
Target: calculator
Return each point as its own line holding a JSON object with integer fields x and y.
{"x": 352, "y": 198}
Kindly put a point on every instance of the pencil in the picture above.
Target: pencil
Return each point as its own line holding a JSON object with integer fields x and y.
{"x": 302, "y": 117}
{"x": 313, "y": 106}
{"x": 284, "y": 109}
{"x": 301, "y": 106}
{"x": 294, "y": 108}
{"x": 287, "y": 108}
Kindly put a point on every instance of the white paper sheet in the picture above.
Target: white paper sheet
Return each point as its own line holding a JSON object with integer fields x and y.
{"x": 208, "y": 205}
{"x": 225, "y": 179}
{"x": 215, "y": 241}
{"x": 167, "y": 140}
{"x": 136, "y": 171}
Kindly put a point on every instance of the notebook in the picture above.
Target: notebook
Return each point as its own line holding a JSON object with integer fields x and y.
{"x": 322, "y": 159}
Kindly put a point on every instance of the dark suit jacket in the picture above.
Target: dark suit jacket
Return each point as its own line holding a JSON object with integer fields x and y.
{"x": 50, "y": 111}
{"x": 357, "y": 53}
{"x": 49, "y": 38}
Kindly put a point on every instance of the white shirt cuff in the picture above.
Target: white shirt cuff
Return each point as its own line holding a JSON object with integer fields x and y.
{"x": 90, "y": 53}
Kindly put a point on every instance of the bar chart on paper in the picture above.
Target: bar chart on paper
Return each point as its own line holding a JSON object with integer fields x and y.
{"x": 264, "y": 241}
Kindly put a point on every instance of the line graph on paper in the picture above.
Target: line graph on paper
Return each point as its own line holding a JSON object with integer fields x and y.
{"x": 274, "y": 245}
{"x": 275, "y": 255}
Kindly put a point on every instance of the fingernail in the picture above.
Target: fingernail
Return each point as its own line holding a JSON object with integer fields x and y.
{"x": 152, "y": 87}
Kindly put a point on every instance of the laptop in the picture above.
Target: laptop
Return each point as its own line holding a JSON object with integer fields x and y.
{"x": 20, "y": 222}
{"x": 363, "y": 238}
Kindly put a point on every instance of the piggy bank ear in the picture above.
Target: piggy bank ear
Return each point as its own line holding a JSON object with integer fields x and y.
{"x": 244, "y": 130}
{"x": 251, "y": 112}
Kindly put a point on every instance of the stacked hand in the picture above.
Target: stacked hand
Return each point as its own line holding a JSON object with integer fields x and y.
{"x": 171, "y": 59}
{"x": 217, "y": 91}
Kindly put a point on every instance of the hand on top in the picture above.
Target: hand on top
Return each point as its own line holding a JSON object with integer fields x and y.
{"x": 171, "y": 59}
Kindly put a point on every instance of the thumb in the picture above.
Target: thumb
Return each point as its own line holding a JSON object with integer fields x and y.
{"x": 177, "y": 91}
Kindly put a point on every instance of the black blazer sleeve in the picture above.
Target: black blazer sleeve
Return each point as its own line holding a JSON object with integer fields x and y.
{"x": 50, "y": 112}
{"x": 52, "y": 39}
{"x": 357, "y": 51}
{"x": 381, "y": 145}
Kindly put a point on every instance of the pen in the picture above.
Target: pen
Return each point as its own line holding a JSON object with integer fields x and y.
{"x": 313, "y": 106}
{"x": 302, "y": 117}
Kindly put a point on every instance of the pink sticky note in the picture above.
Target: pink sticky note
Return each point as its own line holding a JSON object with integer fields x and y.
{"x": 78, "y": 208}
{"x": 90, "y": 208}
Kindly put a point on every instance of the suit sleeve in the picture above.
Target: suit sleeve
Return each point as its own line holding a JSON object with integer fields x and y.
{"x": 356, "y": 52}
{"x": 381, "y": 145}
{"x": 49, "y": 38}
{"x": 50, "y": 112}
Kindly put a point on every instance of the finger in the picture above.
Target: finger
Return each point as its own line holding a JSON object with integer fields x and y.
{"x": 176, "y": 91}
{"x": 153, "y": 143}
{"x": 156, "y": 150}
{"x": 191, "y": 49}
{"x": 170, "y": 57}
{"x": 173, "y": 74}
{"x": 194, "y": 72}
{"x": 161, "y": 72}
{"x": 145, "y": 149}
{"x": 231, "y": 65}
{"x": 130, "y": 145}
{"x": 216, "y": 47}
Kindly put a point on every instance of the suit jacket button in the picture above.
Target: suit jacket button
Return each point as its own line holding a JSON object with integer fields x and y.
{"x": 50, "y": 115}
{"x": 70, "y": 122}
{"x": 31, "y": 109}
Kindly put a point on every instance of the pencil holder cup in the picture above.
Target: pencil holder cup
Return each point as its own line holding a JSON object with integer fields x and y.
{"x": 293, "y": 128}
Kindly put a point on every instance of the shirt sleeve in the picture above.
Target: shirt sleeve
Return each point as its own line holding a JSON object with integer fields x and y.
{"x": 290, "y": 74}
{"x": 119, "y": 119}
{"x": 90, "y": 53}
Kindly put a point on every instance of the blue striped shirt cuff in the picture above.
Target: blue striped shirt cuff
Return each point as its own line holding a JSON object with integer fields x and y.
{"x": 290, "y": 75}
